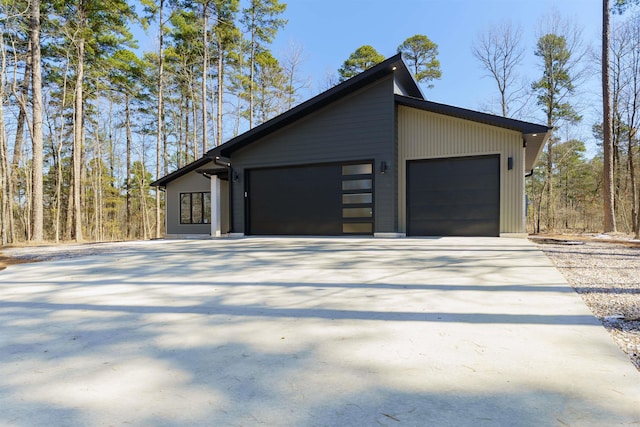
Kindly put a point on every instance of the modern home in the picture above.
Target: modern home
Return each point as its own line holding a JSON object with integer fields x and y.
{"x": 370, "y": 156}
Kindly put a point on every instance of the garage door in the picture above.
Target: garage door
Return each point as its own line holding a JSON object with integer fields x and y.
{"x": 322, "y": 200}
{"x": 454, "y": 197}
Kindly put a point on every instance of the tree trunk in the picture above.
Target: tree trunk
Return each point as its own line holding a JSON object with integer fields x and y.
{"x": 22, "y": 119}
{"x": 187, "y": 136}
{"x": 205, "y": 63}
{"x": 220, "y": 92}
{"x": 37, "y": 219}
{"x": 549, "y": 197}
{"x": 77, "y": 144}
{"x": 160, "y": 118}
{"x": 252, "y": 65}
{"x": 127, "y": 113}
{"x": 608, "y": 190}
{"x": 58, "y": 191}
{"x": 7, "y": 230}
{"x": 194, "y": 114}
{"x": 5, "y": 186}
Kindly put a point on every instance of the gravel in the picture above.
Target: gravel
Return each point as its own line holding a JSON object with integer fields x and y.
{"x": 607, "y": 277}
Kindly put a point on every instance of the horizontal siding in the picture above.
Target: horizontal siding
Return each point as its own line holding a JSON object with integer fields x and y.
{"x": 426, "y": 135}
{"x": 193, "y": 182}
{"x": 357, "y": 127}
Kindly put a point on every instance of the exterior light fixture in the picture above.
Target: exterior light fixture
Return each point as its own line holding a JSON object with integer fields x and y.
{"x": 510, "y": 163}
{"x": 383, "y": 167}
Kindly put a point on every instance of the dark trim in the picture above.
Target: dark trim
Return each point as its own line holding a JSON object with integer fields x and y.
{"x": 222, "y": 174}
{"x": 162, "y": 182}
{"x": 476, "y": 116}
{"x": 534, "y": 136}
{"x": 395, "y": 64}
{"x": 245, "y": 196}
{"x": 408, "y": 185}
{"x": 357, "y": 220}
{"x": 202, "y": 207}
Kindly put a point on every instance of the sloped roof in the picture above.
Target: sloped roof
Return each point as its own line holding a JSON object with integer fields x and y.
{"x": 395, "y": 64}
{"x": 162, "y": 182}
{"x": 534, "y": 135}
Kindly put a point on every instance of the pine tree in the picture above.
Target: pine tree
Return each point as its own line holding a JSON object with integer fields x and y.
{"x": 421, "y": 55}
{"x": 553, "y": 90}
{"x": 362, "y": 59}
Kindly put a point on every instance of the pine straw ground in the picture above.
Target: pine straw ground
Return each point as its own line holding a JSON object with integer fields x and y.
{"x": 606, "y": 273}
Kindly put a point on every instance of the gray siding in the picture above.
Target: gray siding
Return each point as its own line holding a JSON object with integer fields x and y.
{"x": 190, "y": 183}
{"x": 357, "y": 127}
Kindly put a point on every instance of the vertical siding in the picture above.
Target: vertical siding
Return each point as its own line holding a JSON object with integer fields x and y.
{"x": 426, "y": 135}
{"x": 356, "y": 128}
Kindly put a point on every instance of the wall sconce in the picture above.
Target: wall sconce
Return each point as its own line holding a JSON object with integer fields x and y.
{"x": 510, "y": 163}
{"x": 383, "y": 167}
{"x": 235, "y": 177}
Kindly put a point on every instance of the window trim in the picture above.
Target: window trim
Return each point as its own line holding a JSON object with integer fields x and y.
{"x": 203, "y": 208}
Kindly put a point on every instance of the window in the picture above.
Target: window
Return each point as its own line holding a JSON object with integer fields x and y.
{"x": 350, "y": 199}
{"x": 357, "y": 198}
{"x": 195, "y": 208}
{"x": 358, "y": 184}
{"x": 360, "y": 169}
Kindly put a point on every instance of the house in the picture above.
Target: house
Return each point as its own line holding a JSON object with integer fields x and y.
{"x": 370, "y": 156}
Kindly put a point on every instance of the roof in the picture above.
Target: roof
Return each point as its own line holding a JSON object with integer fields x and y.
{"x": 534, "y": 135}
{"x": 394, "y": 64}
{"x": 162, "y": 182}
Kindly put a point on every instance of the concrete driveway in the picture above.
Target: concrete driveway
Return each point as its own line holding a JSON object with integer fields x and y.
{"x": 307, "y": 332}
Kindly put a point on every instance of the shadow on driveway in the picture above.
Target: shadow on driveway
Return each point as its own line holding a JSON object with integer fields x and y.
{"x": 306, "y": 332}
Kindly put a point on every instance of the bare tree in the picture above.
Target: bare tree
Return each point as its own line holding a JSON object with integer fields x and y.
{"x": 291, "y": 63}
{"x": 624, "y": 69}
{"x": 500, "y": 52}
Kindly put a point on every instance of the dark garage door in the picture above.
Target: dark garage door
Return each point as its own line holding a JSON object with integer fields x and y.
{"x": 323, "y": 200}
{"x": 454, "y": 197}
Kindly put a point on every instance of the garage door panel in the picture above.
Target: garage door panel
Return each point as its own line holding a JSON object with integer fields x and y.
{"x": 454, "y": 196}
{"x": 480, "y": 213}
{"x": 295, "y": 201}
{"x": 327, "y": 199}
{"x": 461, "y": 182}
{"x": 455, "y": 227}
{"x": 461, "y": 198}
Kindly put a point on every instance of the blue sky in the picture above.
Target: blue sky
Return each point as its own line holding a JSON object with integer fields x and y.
{"x": 330, "y": 30}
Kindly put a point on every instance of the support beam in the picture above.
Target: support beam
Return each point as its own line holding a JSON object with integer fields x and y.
{"x": 216, "y": 223}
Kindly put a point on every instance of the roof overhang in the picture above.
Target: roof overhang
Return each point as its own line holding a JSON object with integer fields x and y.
{"x": 534, "y": 135}
{"x": 534, "y": 143}
{"x": 222, "y": 173}
{"x": 200, "y": 163}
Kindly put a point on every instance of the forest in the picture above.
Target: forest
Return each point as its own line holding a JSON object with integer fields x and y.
{"x": 88, "y": 121}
